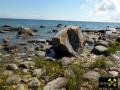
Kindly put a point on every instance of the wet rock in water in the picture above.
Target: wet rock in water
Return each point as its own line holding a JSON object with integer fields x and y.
{"x": 27, "y": 64}
{"x": 26, "y": 32}
{"x": 42, "y": 26}
{"x": 12, "y": 49}
{"x": 37, "y": 40}
{"x": 15, "y": 79}
{"x": 38, "y": 72}
{"x": 55, "y": 31}
{"x": 56, "y": 84}
{"x": 23, "y": 43}
{"x": 12, "y": 66}
{"x": 9, "y": 28}
{"x": 91, "y": 75}
{"x": 66, "y": 60}
{"x": 113, "y": 73}
{"x": 35, "y": 30}
{"x": 60, "y": 25}
{"x": 34, "y": 83}
{"x": 99, "y": 50}
{"x": 68, "y": 42}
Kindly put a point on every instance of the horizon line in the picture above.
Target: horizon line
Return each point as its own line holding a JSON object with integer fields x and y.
{"x": 60, "y": 20}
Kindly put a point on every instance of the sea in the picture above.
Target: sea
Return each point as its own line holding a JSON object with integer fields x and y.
{"x": 51, "y": 25}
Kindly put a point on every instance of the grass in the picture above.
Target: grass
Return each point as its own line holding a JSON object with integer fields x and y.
{"x": 53, "y": 68}
{"x": 100, "y": 63}
{"x": 113, "y": 47}
{"x": 75, "y": 81}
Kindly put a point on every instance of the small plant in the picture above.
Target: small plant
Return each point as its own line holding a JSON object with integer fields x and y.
{"x": 99, "y": 63}
{"x": 74, "y": 82}
{"x": 114, "y": 46}
{"x": 52, "y": 68}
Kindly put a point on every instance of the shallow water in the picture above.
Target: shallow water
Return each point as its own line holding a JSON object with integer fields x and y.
{"x": 49, "y": 26}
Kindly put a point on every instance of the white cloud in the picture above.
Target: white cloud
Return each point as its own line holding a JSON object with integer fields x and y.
{"x": 108, "y": 10}
{"x": 102, "y": 10}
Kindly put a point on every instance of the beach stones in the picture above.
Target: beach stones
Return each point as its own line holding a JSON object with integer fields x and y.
{"x": 99, "y": 50}
{"x": 15, "y": 79}
{"x": 66, "y": 61}
{"x": 12, "y": 66}
{"x": 34, "y": 83}
{"x": 91, "y": 75}
{"x": 56, "y": 84}
{"x": 12, "y": 49}
{"x": 27, "y": 64}
{"x": 68, "y": 41}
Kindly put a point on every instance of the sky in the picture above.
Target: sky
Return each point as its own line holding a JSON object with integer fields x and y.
{"x": 75, "y": 10}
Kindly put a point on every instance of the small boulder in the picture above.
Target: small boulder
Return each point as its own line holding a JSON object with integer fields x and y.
{"x": 66, "y": 60}
{"x": 99, "y": 49}
{"x": 114, "y": 73}
{"x": 37, "y": 72}
{"x": 27, "y": 64}
{"x": 91, "y": 75}
{"x": 40, "y": 53}
{"x": 12, "y": 66}
{"x": 20, "y": 87}
{"x": 34, "y": 83}
{"x": 56, "y": 84}
{"x": 15, "y": 79}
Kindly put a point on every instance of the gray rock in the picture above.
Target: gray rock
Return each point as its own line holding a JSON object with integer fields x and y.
{"x": 113, "y": 73}
{"x": 103, "y": 43}
{"x": 91, "y": 75}
{"x": 27, "y": 64}
{"x": 20, "y": 87}
{"x": 101, "y": 48}
{"x": 34, "y": 83}
{"x": 37, "y": 72}
{"x": 56, "y": 84}
{"x": 116, "y": 57}
{"x": 50, "y": 58}
{"x": 66, "y": 60}
{"x": 12, "y": 66}
{"x": 26, "y": 78}
{"x": 40, "y": 53}
{"x": 15, "y": 79}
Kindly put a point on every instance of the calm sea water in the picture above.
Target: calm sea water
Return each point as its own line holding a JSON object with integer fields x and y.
{"x": 51, "y": 24}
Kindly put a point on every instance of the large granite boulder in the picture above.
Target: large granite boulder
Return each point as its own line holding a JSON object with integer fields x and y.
{"x": 68, "y": 42}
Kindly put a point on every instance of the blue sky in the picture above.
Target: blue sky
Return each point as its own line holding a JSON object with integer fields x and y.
{"x": 78, "y": 10}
